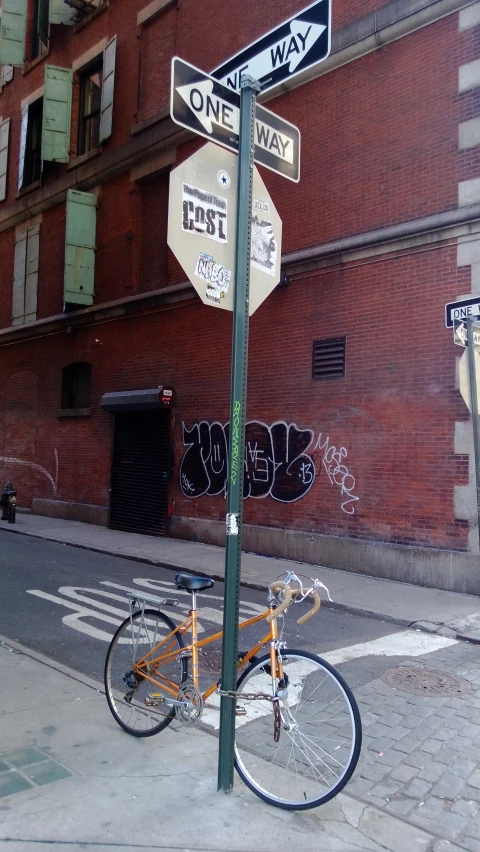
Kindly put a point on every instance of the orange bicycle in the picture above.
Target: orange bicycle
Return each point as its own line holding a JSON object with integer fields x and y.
{"x": 298, "y": 731}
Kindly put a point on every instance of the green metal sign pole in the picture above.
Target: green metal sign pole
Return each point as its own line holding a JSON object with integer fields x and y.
{"x": 474, "y": 406}
{"x": 238, "y": 396}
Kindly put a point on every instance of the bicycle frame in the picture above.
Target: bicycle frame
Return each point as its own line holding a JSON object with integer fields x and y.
{"x": 164, "y": 650}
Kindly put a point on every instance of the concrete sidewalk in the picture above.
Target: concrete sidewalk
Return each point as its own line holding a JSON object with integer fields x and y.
{"x": 433, "y": 610}
{"x": 69, "y": 776}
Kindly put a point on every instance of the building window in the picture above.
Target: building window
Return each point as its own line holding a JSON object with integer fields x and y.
{"x": 39, "y": 28}
{"x": 76, "y": 380}
{"x": 90, "y": 106}
{"x": 31, "y": 156}
{"x": 328, "y": 358}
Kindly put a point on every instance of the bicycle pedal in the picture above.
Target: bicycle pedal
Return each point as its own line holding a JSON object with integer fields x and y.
{"x": 240, "y": 711}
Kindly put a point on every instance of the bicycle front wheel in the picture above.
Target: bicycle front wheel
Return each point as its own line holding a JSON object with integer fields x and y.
{"x": 303, "y": 754}
{"x": 140, "y": 686}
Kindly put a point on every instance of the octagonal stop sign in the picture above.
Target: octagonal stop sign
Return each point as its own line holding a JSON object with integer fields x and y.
{"x": 202, "y": 224}
{"x": 464, "y": 378}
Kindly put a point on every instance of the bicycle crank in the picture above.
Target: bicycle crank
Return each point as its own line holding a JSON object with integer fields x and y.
{"x": 190, "y": 703}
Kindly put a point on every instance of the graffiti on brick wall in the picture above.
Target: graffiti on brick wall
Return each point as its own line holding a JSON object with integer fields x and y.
{"x": 10, "y": 460}
{"x": 332, "y": 461}
{"x": 277, "y": 463}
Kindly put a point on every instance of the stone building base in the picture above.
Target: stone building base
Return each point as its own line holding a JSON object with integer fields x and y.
{"x": 454, "y": 571}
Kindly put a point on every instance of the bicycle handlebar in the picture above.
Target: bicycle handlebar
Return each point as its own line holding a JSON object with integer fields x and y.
{"x": 277, "y": 587}
{"x": 311, "y": 612}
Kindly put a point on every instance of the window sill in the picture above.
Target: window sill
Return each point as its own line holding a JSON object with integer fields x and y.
{"x": 84, "y": 158}
{"x": 153, "y": 10}
{"x": 30, "y": 188}
{"x": 29, "y": 65}
{"x": 74, "y": 412}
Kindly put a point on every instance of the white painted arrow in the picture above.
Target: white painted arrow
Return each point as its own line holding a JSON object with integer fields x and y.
{"x": 291, "y": 49}
{"x": 461, "y": 333}
{"x": 209, "y": 108}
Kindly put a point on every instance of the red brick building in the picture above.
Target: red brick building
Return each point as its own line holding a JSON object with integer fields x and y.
{"x": 359, "y": 443}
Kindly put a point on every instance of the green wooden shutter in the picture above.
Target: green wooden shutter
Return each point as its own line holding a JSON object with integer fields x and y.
{"x": 19, "y": 268}
{"x": 4, "y": 134}
{"x": 57, "y": 107}
{"x": 25, "y": 275}
{"x": 12, "y": 32}
{"x": 106, "y": 109}
{"x": 80, "y": 247}
{"x": 60, "y": 13}
{"x": 31, "y": 273}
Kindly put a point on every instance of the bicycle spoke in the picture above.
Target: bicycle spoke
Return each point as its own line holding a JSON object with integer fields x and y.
{"x": 312, "y": 760}
{"x": 138, "y": 701}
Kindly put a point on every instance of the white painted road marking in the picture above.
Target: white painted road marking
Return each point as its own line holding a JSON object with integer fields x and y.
{"x": 99, "y": 610}
{"x": 408, "y": 643}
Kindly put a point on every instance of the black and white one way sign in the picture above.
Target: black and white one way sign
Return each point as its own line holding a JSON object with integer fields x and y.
{"x": 464, "y": 309}
{"x": 205, "y": 106}
{"x": 297, "y": 44}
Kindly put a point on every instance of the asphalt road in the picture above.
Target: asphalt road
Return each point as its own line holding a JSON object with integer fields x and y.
{"x": 66, "y": 603}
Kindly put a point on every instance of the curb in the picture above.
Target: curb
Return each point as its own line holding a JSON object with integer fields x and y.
{"x": 16, "y": 647}
{"x": 220, "y": 578}
{"x": 423, "y": 626}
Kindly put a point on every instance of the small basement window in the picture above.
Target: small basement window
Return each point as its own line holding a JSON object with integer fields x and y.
{"x": 76, "y": 381}
{"x": 328, "y": 359}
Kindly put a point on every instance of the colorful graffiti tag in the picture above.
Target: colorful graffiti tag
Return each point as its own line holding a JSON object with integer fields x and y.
{"x": 277, "y": 463}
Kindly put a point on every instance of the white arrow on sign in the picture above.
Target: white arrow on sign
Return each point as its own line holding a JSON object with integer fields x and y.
{"x": 460, "y": 336}
{"x": 211, "y": 109}
{"x": 278, "y": 56}
{"x": 291, "y": 49}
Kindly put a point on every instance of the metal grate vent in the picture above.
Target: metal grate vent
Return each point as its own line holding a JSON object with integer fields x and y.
{"x": 328, "y": 358}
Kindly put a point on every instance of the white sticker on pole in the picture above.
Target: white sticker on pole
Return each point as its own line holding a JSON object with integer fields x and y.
{"x": 232, "y": 523}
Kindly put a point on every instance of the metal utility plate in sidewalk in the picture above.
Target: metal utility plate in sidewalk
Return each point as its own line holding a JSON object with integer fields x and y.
{"x": 26, "y": 768}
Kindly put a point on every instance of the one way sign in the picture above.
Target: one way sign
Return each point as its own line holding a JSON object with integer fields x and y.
{"x": 205, "y": 106}
{"x": 297, "y": 44}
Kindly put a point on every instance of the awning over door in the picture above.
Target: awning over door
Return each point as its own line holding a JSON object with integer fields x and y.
{"x": 138, "y": 400}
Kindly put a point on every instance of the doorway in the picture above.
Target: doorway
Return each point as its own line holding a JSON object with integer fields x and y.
{"x": 140, "y": 472}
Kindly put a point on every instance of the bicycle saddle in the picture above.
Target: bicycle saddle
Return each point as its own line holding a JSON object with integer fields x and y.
{"x": 193, "y": 584}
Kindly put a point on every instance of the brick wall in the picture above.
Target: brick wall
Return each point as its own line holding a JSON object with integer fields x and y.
{"x": 393, "y": 413}
{"x": 379, "y": 147}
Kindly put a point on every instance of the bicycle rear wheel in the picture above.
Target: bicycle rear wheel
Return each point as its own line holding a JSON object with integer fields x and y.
{"x": 318, "y": 729}
{"x": 139, "y": 704}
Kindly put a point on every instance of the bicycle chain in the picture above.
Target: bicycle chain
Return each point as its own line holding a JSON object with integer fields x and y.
{"x": 259, "y": 696}
{"x": 248, "y": 696}
{"x": 277, "y": 719}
